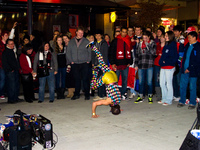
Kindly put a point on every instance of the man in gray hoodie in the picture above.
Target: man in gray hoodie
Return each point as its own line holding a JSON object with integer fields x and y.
{"x": 80, "y": 56}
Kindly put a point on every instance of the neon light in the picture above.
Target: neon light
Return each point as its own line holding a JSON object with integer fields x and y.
{"x": 41, "y": 1}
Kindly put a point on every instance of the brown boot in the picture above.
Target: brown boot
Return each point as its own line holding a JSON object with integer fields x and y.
{"x": 70, "y": 92}
{"x": 73, "y": 90}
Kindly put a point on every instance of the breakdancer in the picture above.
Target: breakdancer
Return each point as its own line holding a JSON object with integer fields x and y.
{"x": 109, "y": 78}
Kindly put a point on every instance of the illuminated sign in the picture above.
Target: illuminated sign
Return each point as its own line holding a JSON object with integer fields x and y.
{"x": 113, "y": 16}
{"x": 166, "y": 22}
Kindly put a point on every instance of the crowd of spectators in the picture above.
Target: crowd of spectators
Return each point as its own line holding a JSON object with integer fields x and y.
{"x": 158, "y": 65}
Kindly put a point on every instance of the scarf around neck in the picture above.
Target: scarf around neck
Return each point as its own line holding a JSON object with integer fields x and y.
{"x": 123, "y": 46}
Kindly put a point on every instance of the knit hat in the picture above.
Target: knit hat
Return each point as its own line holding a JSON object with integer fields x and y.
{"x": 162, "y": 30}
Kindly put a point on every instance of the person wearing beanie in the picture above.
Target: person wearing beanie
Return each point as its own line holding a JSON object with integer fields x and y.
{"x": 160, "y": 31}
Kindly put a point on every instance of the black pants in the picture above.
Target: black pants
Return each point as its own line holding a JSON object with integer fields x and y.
{"x": 101, "y": 89}
{"x": 81, "y": 72}
{"x": 27, "y": 83}
{"x": 70, "y": 83}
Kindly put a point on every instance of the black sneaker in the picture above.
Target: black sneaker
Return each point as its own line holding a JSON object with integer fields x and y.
{"x": 179, "y": 105}
{"x": 191, "y": 106}
{"x": 75, "y": 97}
{"x": 150, "y": 100}
{"x": 124, "y": 97}
{"x": 139, "y": 100}
{"x": 87, "y": 98}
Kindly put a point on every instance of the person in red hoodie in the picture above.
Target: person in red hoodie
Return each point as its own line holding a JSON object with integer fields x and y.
{"x": 26, "y": 72}
{"x": 121, "y": 57}
{"x": 157, "y": 67}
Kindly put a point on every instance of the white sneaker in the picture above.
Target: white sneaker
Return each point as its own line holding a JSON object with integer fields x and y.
{"x": 124, "y": 97}
{"x": 97, "y": 98}
{"x": 131, "y": 95}
{"x": 176, "y": 99}
{"x": 2, "y": 97}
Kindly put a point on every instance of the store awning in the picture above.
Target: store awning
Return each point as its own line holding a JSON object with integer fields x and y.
{"x": 72, "y": 6}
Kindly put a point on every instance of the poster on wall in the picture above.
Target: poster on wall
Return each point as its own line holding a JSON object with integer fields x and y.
{"x": 56, "y": 27}
{"x": 73, "y": 21}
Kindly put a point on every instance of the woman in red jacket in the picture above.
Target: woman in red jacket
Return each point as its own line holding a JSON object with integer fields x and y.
{"x": 26, "y": 73}
{"x": 157, "y": 67}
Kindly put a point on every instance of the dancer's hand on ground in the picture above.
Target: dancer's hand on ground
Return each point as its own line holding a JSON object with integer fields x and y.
{"x": 95, "y": 116}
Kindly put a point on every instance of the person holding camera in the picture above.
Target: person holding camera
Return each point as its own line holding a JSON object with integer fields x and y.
{"x": 45, "y": 66}
{"x": 144, "y": 62}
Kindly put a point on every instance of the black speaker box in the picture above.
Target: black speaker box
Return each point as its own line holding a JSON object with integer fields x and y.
{"x": 45, "y": 134}
{"x": 20, "y": 139}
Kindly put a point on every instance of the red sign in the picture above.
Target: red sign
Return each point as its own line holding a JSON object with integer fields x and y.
{"x": 166, "y": 22}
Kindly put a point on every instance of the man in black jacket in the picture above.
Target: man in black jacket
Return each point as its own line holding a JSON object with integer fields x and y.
{"x": 102, "y": 46}
{"x": 11, "y": 68}
{"x": 121, "y": 57}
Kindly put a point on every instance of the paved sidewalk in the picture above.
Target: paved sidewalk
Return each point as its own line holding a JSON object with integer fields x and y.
{"x": 140, "y": 126}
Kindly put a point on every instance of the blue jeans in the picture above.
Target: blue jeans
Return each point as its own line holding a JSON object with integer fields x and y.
{"x": 12, "y": 81}
{"x": 60, "y": 78}
{"x": 51, "y": 83}
{"x": 176, "y": 84}
{"x": 156, "y": 71}
{"x": 185, "y": 79}
{"x": 2, "y": 81}
{"x": 124, "y": 74}
{"x": 166, "y": 77}
{"x": 148, "y": 75}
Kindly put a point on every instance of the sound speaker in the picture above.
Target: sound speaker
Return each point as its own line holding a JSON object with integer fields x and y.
{"x": 43, "y": 132}
{"x": 20, "y": 139}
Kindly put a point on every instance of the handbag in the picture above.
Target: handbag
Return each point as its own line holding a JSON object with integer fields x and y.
{"x": 43, "y": 71}
{"x": 26, "y": 77}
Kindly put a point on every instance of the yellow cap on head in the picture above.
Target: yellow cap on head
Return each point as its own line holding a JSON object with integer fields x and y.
{"x": 109, "y": 77}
